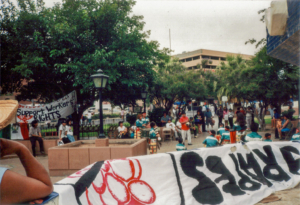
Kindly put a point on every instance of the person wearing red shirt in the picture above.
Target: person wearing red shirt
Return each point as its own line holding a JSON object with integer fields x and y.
{"x": 185, "y": 129}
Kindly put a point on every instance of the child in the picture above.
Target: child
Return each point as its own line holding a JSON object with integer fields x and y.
{"x": 221, "y": 129}
{"x": 180, "y": 146}
{"x": 211, "y": 141}
{"x": 132, "y": 129}
{"x": 296, "y": 136}
{"x": 230, "y": 117}
{"x": 153, "y": 138}
{"x": 193, "y": 127}
{"x": 225, "y": 136}
{"x": 253, "y": 136}
{"x": 267, "y": 137}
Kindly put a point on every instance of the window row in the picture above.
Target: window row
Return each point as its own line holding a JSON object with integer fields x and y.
{"x": 203, "y": 57}
{"x": 206, "y": 67}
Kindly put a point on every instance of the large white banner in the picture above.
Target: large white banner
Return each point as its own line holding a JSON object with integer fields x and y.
{"x": 45, "y": 112}
{"x": 227, "y": 175}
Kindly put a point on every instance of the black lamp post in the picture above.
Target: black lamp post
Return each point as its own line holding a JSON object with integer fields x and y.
{"x": 100, "y": 81}
{"x": 144, "y": 97}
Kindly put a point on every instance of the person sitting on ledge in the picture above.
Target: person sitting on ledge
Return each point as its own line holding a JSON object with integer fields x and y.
{"x": 122, "y": 130}
{"x": 211, "y": 141}
{"x": 35, "y": 135}
{"x": 253, "y": 136}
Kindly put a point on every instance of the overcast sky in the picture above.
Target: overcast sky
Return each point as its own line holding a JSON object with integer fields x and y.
{"x": 222, "y": 25}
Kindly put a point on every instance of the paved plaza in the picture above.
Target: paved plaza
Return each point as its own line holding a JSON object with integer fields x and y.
{"x": 288, "y": 197}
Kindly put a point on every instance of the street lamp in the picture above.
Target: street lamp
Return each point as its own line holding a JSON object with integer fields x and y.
{"x": 100, "y": 81}
{"x": 144, "y": 97}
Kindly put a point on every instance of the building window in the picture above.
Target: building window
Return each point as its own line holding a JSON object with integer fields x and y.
{"x": 188, "y": 59}
{"x": 196, "y": 57}
{"x": 213, "y": 67}
{"x": 207, "y": 66}
{"x": 223, "y": 59}
{"x": 205, "y": 57}
{"x": 190, "y": 68}
{"x": 195, "y": 67}
{"x": 183, "y": 60}
{"x": 214, "y": 58}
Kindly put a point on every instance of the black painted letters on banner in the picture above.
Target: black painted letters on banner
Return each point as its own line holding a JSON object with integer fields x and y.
{"x": 206, "y": 192}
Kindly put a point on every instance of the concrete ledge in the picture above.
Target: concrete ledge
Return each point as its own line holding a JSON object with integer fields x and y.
{"x": 77, "y": 155}
{"x": 48, "y": 143}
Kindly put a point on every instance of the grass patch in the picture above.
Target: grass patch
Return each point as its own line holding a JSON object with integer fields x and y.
{"x": 267, "y": 120}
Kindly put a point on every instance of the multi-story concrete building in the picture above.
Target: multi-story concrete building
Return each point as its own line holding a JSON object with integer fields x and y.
{"x": 193, "y": 58}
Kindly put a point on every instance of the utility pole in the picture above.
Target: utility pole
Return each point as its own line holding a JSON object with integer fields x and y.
{"x": 170, "y": 37}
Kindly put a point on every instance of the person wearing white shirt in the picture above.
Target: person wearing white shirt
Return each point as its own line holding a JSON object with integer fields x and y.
{"x": 89, "y": 116}
{"x": 122, "y": 130}
{"x": 172, "y": 126}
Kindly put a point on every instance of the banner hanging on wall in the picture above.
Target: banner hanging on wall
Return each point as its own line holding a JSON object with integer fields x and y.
{"x": 231, "y": 174}
{"x": 45, "y": 112}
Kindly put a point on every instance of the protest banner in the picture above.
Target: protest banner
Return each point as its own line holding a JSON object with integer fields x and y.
{"x": 45, "y": 112}
{"x": 231, "y": 174}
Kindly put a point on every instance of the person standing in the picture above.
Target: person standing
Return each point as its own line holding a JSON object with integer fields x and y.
{"x": 248, "y": 117}
{"x": 225, "y": 116}
{"x": 185, "y": 130}
{"x": 35, "y": 135}
{"x": 89, "y": 116}
{"x": 122, "y": 114}
{"x": 63, "y": 132}
{"x": 220, "y": 115}
{"x": 199, "y": 121}
{"x": 230, "y": 117}
{"x": 70, "y": 131}
{"x": 209, "y": 119}
{"x": 203, "y": 125}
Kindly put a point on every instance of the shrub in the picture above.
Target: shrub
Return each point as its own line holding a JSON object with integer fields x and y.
{"x": 289, "y": 113}
{"x": 131, "y": 118}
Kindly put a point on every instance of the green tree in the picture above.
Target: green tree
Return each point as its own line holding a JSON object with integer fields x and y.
{"x": 60, "y": 47}
{"x": 174, "y": 82}
{"x": 263, "y": 78}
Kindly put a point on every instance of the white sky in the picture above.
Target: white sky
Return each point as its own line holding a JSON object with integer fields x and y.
{"x": 222, "y": 25}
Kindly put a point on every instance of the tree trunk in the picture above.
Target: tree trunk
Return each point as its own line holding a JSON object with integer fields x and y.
{"x": 76, "y": 123}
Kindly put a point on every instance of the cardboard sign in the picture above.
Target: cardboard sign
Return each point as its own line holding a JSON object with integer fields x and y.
{"x": 224, "y": 98}
{"x": 231, "y": 174}
{"x": 61, "y": 108}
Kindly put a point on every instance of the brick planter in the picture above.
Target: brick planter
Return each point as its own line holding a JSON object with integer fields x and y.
{"x": 69, "y": 158}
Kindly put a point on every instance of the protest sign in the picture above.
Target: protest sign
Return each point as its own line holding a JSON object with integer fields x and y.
{"x": 231, "y": 174}
{"x": 45, "y": 112}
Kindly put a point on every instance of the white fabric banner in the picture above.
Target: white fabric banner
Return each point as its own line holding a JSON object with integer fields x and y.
{"x": 227, "y": 175}
{"x": 45, "y": 112}
{"x": 15, "y": 133}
